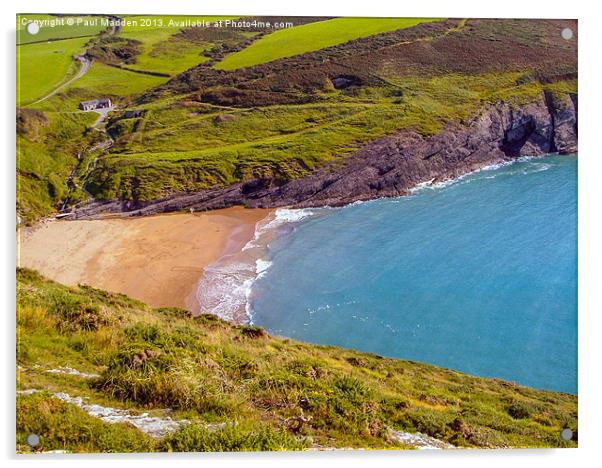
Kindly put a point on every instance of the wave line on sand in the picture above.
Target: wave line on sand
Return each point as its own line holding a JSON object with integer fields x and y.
{"x": 227, "y": 284}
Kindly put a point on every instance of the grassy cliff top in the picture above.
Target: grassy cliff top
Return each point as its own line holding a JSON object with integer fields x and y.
{"x": 242, "y": 389}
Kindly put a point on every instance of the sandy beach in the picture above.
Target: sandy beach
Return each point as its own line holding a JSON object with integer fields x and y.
{"x": 158, "y": 259}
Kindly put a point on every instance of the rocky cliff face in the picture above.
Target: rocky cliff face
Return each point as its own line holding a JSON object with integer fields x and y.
{"x": 392, "y": 165}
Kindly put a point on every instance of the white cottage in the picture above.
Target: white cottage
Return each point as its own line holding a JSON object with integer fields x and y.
{"x": 101, "y": 103}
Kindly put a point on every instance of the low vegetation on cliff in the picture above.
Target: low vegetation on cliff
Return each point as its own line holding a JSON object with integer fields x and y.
{"x": 48, "y": 145}
{"x": 191, "y": 146}
{"x": 238, "y": 388}
{"x": 314, "y": 36}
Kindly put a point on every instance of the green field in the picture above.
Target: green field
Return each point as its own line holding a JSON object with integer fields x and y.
{"x": 105, "y": 79}
{"x": 313, "y": 36}
{"x": 41, "y": 67}
{"x": 169, "y": 56}
{"x": 64, "y": 31}
{"x": 210, "y": 371}
{"x": 161, "y": 51}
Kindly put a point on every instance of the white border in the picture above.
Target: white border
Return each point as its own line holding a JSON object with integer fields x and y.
{"x": 590, "y": 234}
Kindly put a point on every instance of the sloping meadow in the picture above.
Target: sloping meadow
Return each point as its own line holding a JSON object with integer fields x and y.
{"x": 238, "y": 388}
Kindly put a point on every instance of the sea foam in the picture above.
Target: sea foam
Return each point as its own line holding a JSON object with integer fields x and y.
{"x": 468, "y": 177}
{"x": 226, "y": 288}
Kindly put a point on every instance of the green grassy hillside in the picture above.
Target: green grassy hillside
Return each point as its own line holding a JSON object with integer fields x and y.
{"x": 189, "y": 145}
{"x": 283, "y": 118}
{"x": 105, "y": 80}
{"x": 310, "y": 37}
{"x": 164, "y": 49}
{"x": 43, "y": 66}
{"x": 242, "y": 389}
{"x": 46, "y": 60}
{"x": 47, "y": 148}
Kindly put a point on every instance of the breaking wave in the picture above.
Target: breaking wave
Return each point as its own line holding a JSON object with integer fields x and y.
{"x": 227, "y": 285}
{"x": 482, "y": 173}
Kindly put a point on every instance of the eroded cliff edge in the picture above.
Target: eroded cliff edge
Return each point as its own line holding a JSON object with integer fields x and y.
{"x": 390, "y": 166}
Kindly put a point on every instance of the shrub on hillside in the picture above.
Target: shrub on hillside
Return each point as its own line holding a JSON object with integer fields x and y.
{"x": 231, "y": 439}
{"x": 62, "y": 426}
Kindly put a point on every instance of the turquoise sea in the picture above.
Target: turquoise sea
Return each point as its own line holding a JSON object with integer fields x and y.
{"x": 477, "y": 275}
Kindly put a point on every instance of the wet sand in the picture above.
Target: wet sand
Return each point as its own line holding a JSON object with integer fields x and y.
{"x": 157, "y": 259}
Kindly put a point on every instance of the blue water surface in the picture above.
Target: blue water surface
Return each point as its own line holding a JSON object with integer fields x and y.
{"x": 478, "y": 276}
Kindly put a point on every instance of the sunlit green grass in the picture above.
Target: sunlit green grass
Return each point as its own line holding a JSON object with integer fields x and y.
{"x": 186, "y": 130}
{"x": 313, "y": 36}
{"x": 104, "y": 79}
{"x": 170, "y": 57}
{"x": 161, "y": 52}
{"x": 41, "y": 67}
{"x": 66, "y": 427}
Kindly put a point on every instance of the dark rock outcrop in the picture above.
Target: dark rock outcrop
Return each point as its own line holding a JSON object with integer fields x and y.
{"x": 342, "y": 82}
{"x": 392, "y": 165}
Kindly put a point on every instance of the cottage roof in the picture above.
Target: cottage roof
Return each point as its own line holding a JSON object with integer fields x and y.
{"x": 95, "y": 102}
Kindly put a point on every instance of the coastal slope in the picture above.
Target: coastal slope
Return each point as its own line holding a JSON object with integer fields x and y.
{"x": 392, "y": 165}
{"x": 171, "y": 382}
{"x": 335, "y": 123}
